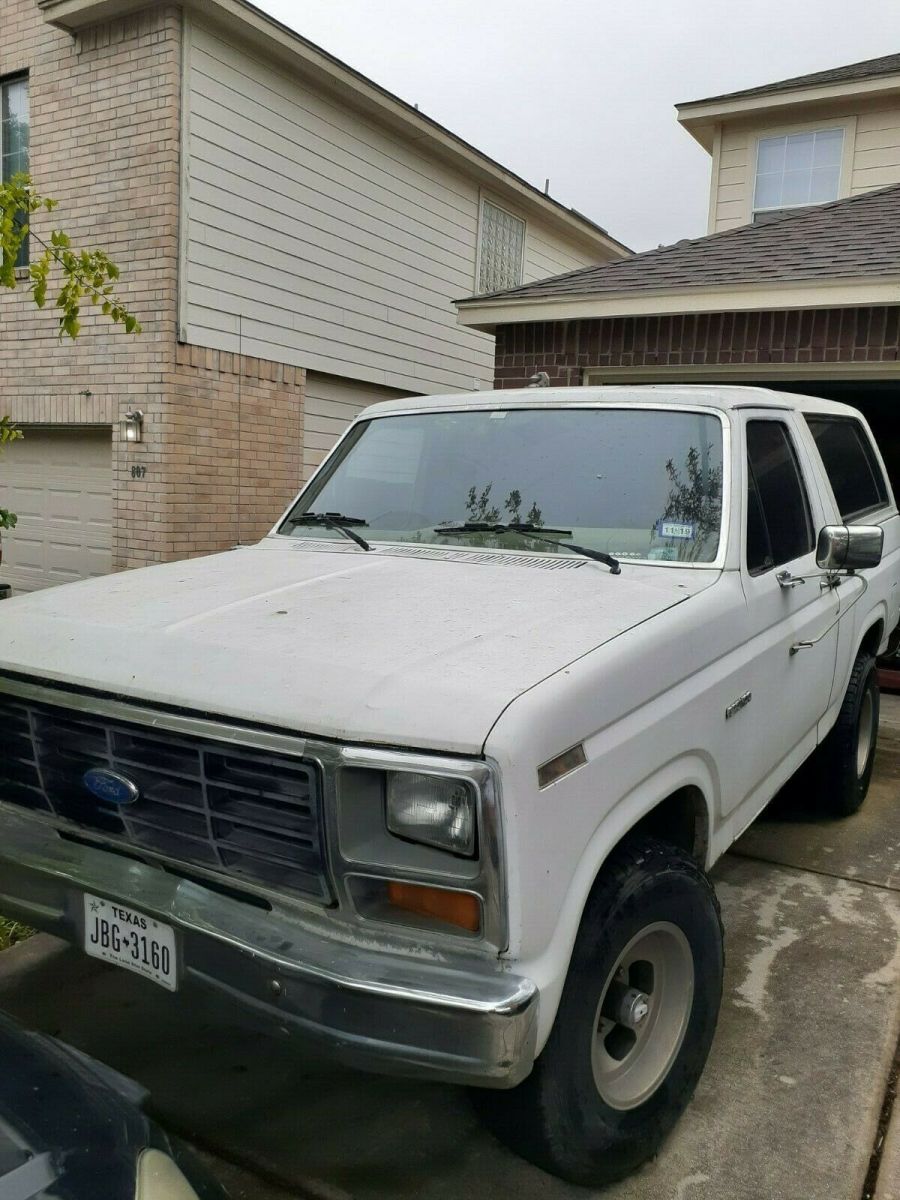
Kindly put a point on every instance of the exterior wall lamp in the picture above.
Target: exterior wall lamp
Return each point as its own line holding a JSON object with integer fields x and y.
{"x": 134, "y": 425}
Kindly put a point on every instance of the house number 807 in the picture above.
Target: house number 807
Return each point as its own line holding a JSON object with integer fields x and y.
{"x": 138, "y": 472}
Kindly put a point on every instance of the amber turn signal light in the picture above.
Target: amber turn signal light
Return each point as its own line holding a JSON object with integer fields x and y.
{"x": 456, "y": 908}
{"x": 563, "y": 764}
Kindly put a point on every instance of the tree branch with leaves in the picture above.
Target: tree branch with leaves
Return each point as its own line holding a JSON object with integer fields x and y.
{"x": 81, "y": 276}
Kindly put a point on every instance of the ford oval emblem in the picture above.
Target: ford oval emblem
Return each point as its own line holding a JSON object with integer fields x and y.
{"x": 110, "y": 786}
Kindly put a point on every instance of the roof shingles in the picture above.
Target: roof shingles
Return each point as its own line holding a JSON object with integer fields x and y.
{"x": 851, "y": 238}
{"x": 870, "y": 68}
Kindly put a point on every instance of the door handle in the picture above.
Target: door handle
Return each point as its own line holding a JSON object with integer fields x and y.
{"x": 808, "y": 645}
{"x": 798, "y": 646}
{"x": 785, "y": 579}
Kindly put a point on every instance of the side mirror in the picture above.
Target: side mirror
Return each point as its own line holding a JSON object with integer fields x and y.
{"x": 849, "y": 547}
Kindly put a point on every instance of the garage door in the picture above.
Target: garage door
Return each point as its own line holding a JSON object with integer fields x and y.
{"x": 331, "y": 404}
{"x": 59, "y": 482}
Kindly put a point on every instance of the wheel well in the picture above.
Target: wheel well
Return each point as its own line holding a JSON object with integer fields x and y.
{"x": 680, "y": 819}
{"x": 872, "y": 640}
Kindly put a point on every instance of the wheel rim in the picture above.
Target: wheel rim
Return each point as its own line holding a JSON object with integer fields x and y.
{"x": 642, "y": 1015}
{"x": 866, "y": 733}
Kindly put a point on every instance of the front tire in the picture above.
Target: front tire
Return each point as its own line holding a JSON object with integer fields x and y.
{"x": 634, "y": 1025}
{"x": 844, "y": 761}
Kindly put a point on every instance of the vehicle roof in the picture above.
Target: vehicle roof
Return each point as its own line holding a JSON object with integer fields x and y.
{"x": 712, "y": 395}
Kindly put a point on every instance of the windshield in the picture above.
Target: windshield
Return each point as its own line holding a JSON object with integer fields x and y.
{"x": 635, "y": 483}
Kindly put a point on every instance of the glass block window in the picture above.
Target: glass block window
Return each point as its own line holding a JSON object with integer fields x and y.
{"x": 14, "y": 137}
{"x": 798, "y": 169}
{"x": 502, "y": 249}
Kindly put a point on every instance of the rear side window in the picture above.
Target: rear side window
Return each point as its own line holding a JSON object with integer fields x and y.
{"x": 853, "y": 471}
{"x": 779, "y": 526}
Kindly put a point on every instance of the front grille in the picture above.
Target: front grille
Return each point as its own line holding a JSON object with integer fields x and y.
{"x": 250, "y": 814}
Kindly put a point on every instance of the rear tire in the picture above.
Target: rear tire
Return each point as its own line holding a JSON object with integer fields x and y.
{"x": 842, "y": 765}
{"x": 634, "y": 1025}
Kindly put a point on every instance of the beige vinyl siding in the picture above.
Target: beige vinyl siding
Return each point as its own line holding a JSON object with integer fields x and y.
{"x": 317, "y": 239}
{"x": 735, "y": 180}
{"x": 546, "y": 254}
{"x": 329, "y": 407}
{"x": 876, "y": 157}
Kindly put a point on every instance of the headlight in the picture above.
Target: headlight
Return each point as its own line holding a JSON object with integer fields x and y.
{"x": 159, "y": 1178}
{"x": 432, "y": 809}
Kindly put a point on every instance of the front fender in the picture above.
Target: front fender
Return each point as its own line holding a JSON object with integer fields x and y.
{"x": 548, "y": 968}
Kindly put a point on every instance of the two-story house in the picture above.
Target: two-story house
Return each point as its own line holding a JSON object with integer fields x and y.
{"x": 291, "y": 236}
{"x": 797, "y": 285}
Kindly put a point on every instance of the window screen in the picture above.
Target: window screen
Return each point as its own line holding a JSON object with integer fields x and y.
{"x": 779, "y": 526}
{"x": 853, "y": 471}
{"x": 502, "y": 249}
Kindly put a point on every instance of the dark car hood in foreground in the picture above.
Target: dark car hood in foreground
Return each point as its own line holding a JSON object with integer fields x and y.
{"x": 70, "y": 1128}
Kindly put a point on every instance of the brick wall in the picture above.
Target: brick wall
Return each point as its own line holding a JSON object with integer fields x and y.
{"x": 237, "y": 437}
{"x": 222, "y": 438}
{"x": 565, "y": 348}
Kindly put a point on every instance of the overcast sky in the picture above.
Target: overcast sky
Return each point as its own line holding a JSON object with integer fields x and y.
{"x": 582, "y": 90}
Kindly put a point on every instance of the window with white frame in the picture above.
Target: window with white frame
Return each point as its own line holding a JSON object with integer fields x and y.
{"x": 796, "y": 169}
{"x": 502, "y": 249}
{"x": 14, "y": 137}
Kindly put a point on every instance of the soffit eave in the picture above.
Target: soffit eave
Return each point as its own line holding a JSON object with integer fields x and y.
{"x": 487, "y": 315}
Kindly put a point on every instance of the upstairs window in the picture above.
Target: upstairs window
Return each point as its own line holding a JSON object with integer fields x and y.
{"x": 798, "y": 169}
{"x": 502, "y": 249}
{"x": 14, "y": 137}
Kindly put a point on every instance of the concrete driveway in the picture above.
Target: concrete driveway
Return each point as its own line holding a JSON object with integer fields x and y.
{"x": 792, "y": 1103}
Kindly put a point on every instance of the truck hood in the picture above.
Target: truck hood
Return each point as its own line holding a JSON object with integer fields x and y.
{"x": 413, "y": 646}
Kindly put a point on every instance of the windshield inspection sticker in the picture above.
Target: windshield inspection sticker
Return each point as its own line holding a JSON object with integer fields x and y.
{"x": 685, "y": 531}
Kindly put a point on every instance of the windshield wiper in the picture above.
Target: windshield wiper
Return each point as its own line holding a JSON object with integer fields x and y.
{"x": 333, "y": 521}
{"x": 493, "y": 527}
{"x": 526, "y": 529}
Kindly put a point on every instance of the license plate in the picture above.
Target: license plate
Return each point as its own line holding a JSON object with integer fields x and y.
{"x": 130, "y": 939}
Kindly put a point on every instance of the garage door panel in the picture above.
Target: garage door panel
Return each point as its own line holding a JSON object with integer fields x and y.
{"x": 74, "y": 507}
{"x": 75, "y": 562}
{"x": 59, "y": 483}
{"x": 63, "y": 505}
{"x": 28, "y": 503}
{"x": 23, "y": 552}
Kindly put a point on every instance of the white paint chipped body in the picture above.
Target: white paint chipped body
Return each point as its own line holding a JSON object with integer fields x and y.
{"x": 495, "y": 656}
{"x": 361, "y": 647}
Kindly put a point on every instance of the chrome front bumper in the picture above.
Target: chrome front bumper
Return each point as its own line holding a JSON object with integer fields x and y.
{"x": 373, "y": 1008}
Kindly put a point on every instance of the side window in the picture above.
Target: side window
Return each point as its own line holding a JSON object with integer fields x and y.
{"x": 779, "y": 526}
{"x": 853, "y": 470}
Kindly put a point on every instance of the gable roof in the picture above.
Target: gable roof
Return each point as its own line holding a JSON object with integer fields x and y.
{"x": 870, "y": 68}
{"x": 261, "y": 31}
{"x": 873, "y": 77}
{"x": 852, "y": 238}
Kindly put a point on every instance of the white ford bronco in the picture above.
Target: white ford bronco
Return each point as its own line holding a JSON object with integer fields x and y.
{"x": 434, "y": 773}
